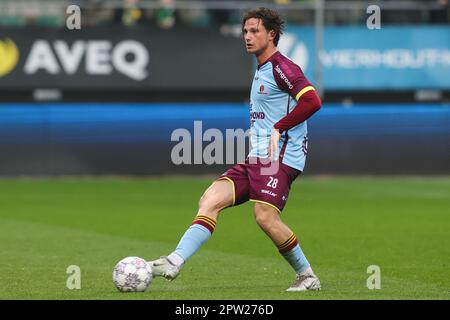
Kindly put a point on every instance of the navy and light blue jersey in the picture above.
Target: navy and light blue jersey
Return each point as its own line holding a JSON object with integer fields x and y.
{"x": 277, "y": 85}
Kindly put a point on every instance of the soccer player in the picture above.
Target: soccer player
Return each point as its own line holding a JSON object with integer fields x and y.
{"x": 281, "y": 101}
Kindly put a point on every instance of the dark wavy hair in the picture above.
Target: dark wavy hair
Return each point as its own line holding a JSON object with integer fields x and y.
{"x": 270, "y": 19}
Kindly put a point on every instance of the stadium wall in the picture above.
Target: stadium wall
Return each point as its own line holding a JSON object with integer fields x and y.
{"x": 147, "y": 64}
{"x": 136, "y": 139}
{"x": 121, "y": 64}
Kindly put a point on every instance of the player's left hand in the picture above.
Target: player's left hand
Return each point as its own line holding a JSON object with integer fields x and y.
{"x": 273, "y": 145}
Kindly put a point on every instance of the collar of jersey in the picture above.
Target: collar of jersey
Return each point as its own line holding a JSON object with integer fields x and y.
{"x": 268, "y": 59}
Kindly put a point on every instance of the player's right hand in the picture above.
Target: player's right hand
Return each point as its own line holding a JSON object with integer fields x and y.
{"x": 273, "y": 144}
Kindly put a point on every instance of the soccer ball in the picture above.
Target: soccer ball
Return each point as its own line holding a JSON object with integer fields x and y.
{"x": 132, "y": 274}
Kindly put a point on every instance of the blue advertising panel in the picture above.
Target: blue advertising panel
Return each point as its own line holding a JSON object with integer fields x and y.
{"x": 139, "y": 138}
{"x": 356, "y": 58}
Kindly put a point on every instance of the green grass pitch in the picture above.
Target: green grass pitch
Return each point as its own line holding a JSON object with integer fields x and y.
{"x": 344, "y": 225}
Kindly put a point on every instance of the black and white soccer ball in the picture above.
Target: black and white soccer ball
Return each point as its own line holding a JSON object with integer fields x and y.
{"x": 132, "y": 274}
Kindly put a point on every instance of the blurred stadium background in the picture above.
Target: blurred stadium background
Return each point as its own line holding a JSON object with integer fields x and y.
{"x": 104, "y": 101}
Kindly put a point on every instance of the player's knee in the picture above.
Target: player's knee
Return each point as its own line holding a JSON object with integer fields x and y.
{"x": 265, "y": 218}
{"x": 265, "y": 222}
{"x": 210, "y": 203}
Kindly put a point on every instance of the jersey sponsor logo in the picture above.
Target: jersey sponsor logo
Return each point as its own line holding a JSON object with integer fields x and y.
{"x": 283, "y": 77}
{"x": 269, "y": 192}
{"x": 257, "y": 115}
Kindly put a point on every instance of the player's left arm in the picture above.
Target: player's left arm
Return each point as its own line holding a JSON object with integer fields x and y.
{"x": 308, "y": 103}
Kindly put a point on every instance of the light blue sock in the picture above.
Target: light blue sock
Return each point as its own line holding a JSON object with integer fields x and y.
{"x": 192, "y": 240}
{"x": 296, "y": 259}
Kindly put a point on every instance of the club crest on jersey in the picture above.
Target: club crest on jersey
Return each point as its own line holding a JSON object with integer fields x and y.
{"x": 261, "y": 89}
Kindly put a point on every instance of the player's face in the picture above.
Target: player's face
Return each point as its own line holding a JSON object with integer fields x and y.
{"x": 256, "y": 37}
